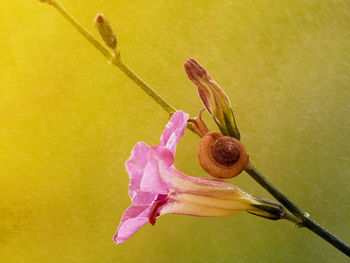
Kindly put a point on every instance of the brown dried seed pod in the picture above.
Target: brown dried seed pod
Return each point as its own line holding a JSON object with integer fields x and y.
{"x": 222, "y": 156}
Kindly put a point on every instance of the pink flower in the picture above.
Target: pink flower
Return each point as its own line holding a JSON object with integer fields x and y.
{"x": 157, "y": 187}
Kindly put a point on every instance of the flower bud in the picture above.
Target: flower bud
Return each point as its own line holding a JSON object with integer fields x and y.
{"x": 213, "y": 97}
{"x": 105, "y": 30}
{"x": 50, "y": 2}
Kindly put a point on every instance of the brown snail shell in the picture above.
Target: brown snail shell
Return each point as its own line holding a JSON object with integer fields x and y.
{"x": 222, "y": 156}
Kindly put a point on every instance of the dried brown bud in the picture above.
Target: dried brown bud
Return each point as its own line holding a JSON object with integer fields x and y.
{"x": 50, "y": 2}
{"x": 105, "y": 30}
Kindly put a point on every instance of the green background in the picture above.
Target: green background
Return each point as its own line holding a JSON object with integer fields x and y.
{"x": 68, "y": 121}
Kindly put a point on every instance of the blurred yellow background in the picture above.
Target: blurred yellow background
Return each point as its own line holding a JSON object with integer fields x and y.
{"x": 68, "y": 121}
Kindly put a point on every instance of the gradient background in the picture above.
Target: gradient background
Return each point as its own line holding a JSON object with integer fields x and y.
{"x": 68, "y": 121}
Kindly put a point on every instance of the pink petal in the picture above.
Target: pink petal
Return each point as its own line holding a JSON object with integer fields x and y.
{"x": 135, "y": 166}
{"x": 151, "y": 180}
{"x": 143, "y": 198}
{"x": 134, "y": 217}
{"x": 174, "y": 130}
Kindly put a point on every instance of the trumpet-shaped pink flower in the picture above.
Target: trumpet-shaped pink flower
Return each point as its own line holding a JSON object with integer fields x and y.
{"x": 157, "y": 187}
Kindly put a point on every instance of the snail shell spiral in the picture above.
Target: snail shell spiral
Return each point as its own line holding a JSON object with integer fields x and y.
{"x": 222, "y": 156}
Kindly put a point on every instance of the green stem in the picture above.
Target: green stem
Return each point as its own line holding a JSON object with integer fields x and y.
{"x": 146, "y": 88}
{"x": 251, "y": 170}
{"x": 113, "y": 59}
{"x": 305, "y": 218}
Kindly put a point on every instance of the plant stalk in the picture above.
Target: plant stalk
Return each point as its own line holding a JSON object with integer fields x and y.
{"x": 306, "y": 220}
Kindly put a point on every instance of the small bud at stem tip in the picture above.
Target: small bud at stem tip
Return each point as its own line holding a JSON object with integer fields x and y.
{"x": 106, "y": 31}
